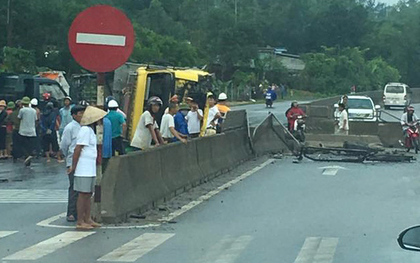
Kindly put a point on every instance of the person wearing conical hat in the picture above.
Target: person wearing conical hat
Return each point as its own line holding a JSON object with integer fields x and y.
{"x": 84, "y": 166}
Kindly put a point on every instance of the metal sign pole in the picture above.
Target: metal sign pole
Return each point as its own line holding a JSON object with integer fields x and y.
{"x": 96, "y": 211}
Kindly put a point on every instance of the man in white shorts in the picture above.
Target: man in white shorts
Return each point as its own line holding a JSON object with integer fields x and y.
{"x": 84, "y": 166}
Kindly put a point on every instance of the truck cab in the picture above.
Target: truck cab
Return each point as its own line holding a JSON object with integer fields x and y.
{"x": 17, "y": 86}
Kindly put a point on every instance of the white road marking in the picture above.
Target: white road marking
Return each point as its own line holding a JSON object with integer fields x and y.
{"x": 317, "y": 250}
{"x": 331, "y": 170}
{"x": 326, "y": 250}
{"x": 210, "y": 194}
{"x": 308, "y": 251}
{"x": 48, "y": 246}
{"x": 32, "y": 196}
{"x": 100, "y": 39}
{"x": 7, "y": 233}
{"x": 48, "y": 222}
{"x": 227, "y": 250}
{"x": 136, "y": 248}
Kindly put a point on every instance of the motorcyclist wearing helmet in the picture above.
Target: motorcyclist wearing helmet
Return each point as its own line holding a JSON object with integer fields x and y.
{"x": 147, "y": 127}
{"x": 292, "y": 114}
{"x": 408, "y": 119}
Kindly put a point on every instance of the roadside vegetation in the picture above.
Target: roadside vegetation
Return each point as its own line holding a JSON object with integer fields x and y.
{"x": 342, "y": 42}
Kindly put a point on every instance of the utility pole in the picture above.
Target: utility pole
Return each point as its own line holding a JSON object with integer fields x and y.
{"x": 9, "y": 23}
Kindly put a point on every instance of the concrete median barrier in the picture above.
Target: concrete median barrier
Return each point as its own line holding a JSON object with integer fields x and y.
{"x": 138, "y": 181}
{"x": 269, "y": 137}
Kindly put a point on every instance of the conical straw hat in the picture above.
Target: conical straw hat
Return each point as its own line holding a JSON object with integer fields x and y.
{"x": 92, "y": 115}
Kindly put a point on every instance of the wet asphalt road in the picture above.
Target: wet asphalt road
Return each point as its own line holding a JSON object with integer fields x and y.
{"x": 280, "y": 213}
{"x": 284, "y": 212}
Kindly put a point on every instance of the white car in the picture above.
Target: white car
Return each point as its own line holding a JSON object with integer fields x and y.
{"x": 360, "y": 108}
{"x": 396, "y": 94}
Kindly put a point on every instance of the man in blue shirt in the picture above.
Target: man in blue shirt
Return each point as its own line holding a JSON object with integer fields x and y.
{"x": 118, "y": 127}
{"x": 181, "y": 125}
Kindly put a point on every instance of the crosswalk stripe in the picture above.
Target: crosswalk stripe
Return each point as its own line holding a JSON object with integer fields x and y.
{"x": 136, "y": 248}
{"x": 317, "y": 250}
{"x": 308, "y": 251}
{"x": 48, "y": 246}
{"x": 232, "y": 253}
{"x": 227, "y": 250}
{"x": 32, "y": 196}
{"x": 7, "y": 233}
{"x": 326, "y": 250}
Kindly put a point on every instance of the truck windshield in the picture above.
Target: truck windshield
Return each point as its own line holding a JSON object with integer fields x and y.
{"x": 53, "y": 89}
{"x": 394, "y": 89}
{"x": 359, "y": 104}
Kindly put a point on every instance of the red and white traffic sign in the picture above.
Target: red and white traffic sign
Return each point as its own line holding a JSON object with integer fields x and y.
{"x": 101, "y": 38}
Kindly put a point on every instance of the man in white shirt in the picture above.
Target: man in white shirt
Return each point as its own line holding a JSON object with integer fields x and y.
{"x": 343, "y": 121}
{"x": 68, "y": 144}
{"x": 27, "y": 129}
{"x": 147, "y": 128}
{"x": 212, "y": 117}
{"x": 194, "y": 118}
{"x": 167, "y": 127}
{"x": 84, "y": 166}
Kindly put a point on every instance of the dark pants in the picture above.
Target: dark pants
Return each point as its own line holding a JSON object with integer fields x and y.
{"x": 117, "y": 146}
{"x": 16, "y": 145}
{"x": 72, "y": 203}
{"x": 28, "y": 145}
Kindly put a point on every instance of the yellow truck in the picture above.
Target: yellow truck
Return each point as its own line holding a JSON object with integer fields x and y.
{"x": 164, "y": 82}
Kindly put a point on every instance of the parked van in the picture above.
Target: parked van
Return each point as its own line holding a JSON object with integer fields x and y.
{"x": 396, "y": 95}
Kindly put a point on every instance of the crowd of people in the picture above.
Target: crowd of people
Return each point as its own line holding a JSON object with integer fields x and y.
{"x": 26, "y": 131}
{"x": 175, "y": 126}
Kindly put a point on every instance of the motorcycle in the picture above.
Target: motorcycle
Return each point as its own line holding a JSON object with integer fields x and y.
{"x": 299, "y": 128}
{"x": 268, "y": 103}
{"x": 412, "y": 137}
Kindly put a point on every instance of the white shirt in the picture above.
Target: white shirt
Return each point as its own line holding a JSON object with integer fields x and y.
{"x": 86, "y": 166}
{"x": 69, "y": 140}
{"x": 28, "y": 117}
{"x": 193, "y": 121}
{"x": 213, "y": 111}
{"x": 142, "y": 138}
{"x": 343, "y": 116}
{"x": 167, "y": 123}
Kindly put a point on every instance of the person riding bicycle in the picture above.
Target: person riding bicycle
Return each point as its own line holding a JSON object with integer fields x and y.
{"x": 408, "y": 118}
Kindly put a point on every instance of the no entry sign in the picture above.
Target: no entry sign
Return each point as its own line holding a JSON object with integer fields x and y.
{"x": 101, "y": 38}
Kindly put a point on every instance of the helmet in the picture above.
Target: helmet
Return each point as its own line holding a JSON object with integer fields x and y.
{"x": 108, "y": 99}
{"x": 112, "y": 104}
{"x": 34, "y": 102}
{"x": 68, "y": 98}
{"x": 46, "y": 96}
{"x": 223, "y": 96}
{"x": 410, "y": 108}
{"x": 155, "y": 101}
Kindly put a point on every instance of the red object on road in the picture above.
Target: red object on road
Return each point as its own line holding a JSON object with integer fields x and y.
{"x": 101, "y": 38}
